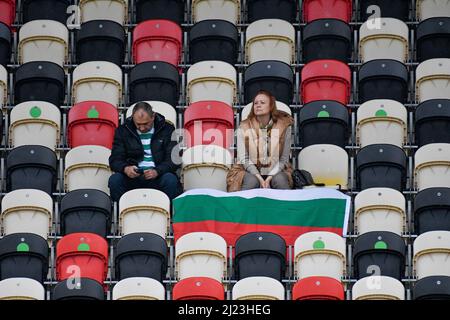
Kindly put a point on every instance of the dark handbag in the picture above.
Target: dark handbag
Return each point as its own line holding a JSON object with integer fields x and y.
{"x": 303, "y": 178}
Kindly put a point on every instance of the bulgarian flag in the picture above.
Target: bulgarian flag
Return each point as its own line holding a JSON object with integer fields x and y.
{"x": 288, "y": 213}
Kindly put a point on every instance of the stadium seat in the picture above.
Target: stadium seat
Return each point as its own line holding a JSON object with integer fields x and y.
{"x": 157, "y": 40}
{"x": 378, "y": 288}
{"x": 323, "y": 9}
{"x": 92, "y": 123}
{"x": 431, "y": 251}
{"x": 379, "y": 253}
{"x": 7, "y": 11}
{"x": 141, "y": 255}
{"x": 261, "y": 254}
{"x": 393, "y": 9}
{"x": 40, "y": 81}
{"x": 432, "y": 122}
{"x": 101, "y": 40}
{"x": 432, "y": 288}
{"x": 27, "y": 211}
{"x": 31, "y": 167}
{"x": 115, "y": 10}
{"x": 432, "y": 80}
{"x": 432, "y": 163}
{"x": 380, "y": 209}
{"x": 433, "y": 37}
{"x": 163, "y": 108}
{"x": 83, "y": 253}
{"x": 160, "y": 9}
{"x": 280, "y": 106}
{"x": 138, "y": 288}
{"x": 198, "y": 288}
{"x": 78, "y": 289}
{"x": 319, "y": 253}
{"x": 381, "y": 121}
{"x": 21, "y": 289}
{"x": 381, "y": 165}
{"x": 209, "y": 122}
{"x": 211, "y": 80}
{"x": 383, "y": 79}
{"x": 5, "y": 44}
{"x": 432, "y": 210}
{"x": 158, "y": 81}
{"x": 35, "y": 122}
{"x": 97, "y": 81}
{"x": 432, "y": 8}
{"x": 43, "y": 40}
{"x": 87, "y": 167}
{"x": 274, "y": 76}
{"x": 205, "y": 167}
{"x": 228, "y": 10}
{"x": 327, "y": 163}
{"x": 24, "y": 255}
{"x": 327, "y": 39}
{"x": 326, "y": 80}
{"x": 324, "y": 122}
{"x": 3, "y": 86}
{"x": 270, "y": 39}
{"x": 144, "y": 210}
{"x": 201, "y": 254}
{"x": 45, "y": 9}
{"x": 86, "y": 210}
{"x": 258, "y": 288}
{"x": 318, "y": 288}
{"x": 214, "y": 40}
{"x": 268, "y": 9}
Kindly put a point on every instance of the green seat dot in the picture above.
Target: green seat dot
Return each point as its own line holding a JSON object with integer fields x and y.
{"x": 380, "y": 245}
{"x": 35, "y": 112}
{"x": 23, "y": 247}
{"x": 92, "y": 113}
{"x": 83, "y": 247}
{"x": 319, "y": 244}
{"x": 381, "y": 113}
{"x": 323, "y": 114}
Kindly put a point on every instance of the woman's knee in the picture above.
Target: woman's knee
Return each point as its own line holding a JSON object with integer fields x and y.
{"x": 250, "y": 182}
{"x": 280, "y": 181}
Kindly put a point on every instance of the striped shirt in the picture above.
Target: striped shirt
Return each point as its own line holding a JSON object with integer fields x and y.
{"x": 146, "y": 139}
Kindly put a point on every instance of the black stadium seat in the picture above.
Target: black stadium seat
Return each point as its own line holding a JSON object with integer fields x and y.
{"x": 432, "y": 210}
{"x": 160, "y": 9}
{"x": 260, "y": 254}
{"x": 101, "y": 40}
{"x": 5, "y": 44}
{"x": 398, "y": 9}
{"x": 432, "y": 288}
{"x": 78, "y": 289}
{"x": 213, "y": 40}
{"x": 432, "y": 122}
{"x": 433, "y": 39}
{"x": 45, "y": 9}
{"x": 272, "y": 9}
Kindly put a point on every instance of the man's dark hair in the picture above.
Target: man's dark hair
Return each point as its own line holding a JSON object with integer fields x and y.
{"x": 144, "y": 106}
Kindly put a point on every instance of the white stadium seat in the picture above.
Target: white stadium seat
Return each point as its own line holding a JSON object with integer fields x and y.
{"x": 378, "y": 288}
{"x": 270, "y": 39}
{"x": 138, "y": 288}
{"x": 432, "y": 254}
{"x": 319, "y": 253}
{"x": 280, "y": 106}
{"x": 201, "y": 254}
{"x": 27, "y": 211}
{"x": 258, "y": 288}
{"x": 114, "y": 10}
{"x": 97, "y": 81}
{"x": 211, "y": 80}
{"x": 3, "y": 86}
{"x": 432, "y": 164}
{"x": 380, "y": 209}
{"x": 228, "y": 10}
{"x": 35, "y": 122}
{"x": 205, "y": 166}
{"x": 87, "y": 167}
{"x": 160, "y": 107}
{"x": 144, "y": 210}
{"x": 21, "y": 289}
{"x": 433, "y": 80}
{"x": 432, "y": 8}
{"x": 381, "y": 121}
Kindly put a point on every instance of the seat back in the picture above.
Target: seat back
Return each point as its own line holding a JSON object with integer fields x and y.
{"x": 163, "y": 108}
{"x": 198, "y": 288}
{"x": 433, "y": 80}
{"x": 228, "y": 10}
{"x": 432, "y": 163}
{"x": 318, "y": 288}
{"x": 7, "y": 11}
{"x": 431, "y": 254}
{"x": 258, "y": 288}
{"x": 378, "y": 288}
{"x": 431, "y": 8}
{"x": 115, "y": 10}
{"x": 280, "y": 106}
{"x": 320, "y": 9}
{"x": 21, "y": 289}
{"x": 138, "y": 288}
{"x": 3, "y": 86}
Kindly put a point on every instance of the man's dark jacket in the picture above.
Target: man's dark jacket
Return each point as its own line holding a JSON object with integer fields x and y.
{"x": 128, "y": 150}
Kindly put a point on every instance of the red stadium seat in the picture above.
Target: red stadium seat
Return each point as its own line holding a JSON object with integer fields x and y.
{"x": 157, "y": 40}
{"x": 7, "y": 11}
{"x": 92, "y": 123}
{"x": 326, "y": 80}
{"x": 207, "y": 122}
{"x": 198, "y": 288}
{"x": 318, "y": 288}
{"x": 327, "y": 9}
{"x": 82, "y": 255}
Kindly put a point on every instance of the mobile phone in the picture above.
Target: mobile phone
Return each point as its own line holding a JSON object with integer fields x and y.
{"x": 139, "y": 170}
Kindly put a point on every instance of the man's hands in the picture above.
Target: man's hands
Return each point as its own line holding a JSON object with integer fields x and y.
{"x": 130, "y": 171}
{"x": 150, "y": 174}
{"x": 264, "y": 183}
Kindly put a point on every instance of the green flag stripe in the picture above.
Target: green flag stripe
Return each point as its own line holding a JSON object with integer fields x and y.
{"x": 307, "y": 213}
